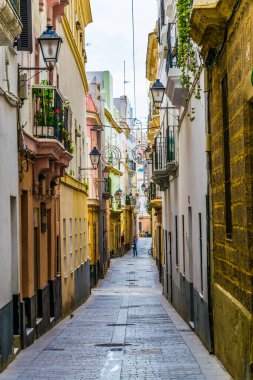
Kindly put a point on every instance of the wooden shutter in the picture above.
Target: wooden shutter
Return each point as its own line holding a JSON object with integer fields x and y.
{"x": 25, "y": 41}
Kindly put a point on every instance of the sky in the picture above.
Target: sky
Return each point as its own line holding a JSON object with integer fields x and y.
{"x": 109, "y": 44}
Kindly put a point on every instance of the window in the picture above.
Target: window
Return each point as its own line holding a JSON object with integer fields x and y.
{"x": 25, "y": 40}
{"x": 64, "y": 248}
{"x": 71, "y": 246}
{"x": 176, "y": 235}
{"x": 226, "y": 145}
{"x": 201, "y": 254}
{"x": 183, "y": 244}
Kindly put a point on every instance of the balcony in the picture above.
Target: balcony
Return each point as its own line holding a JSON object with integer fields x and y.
{"x": 131, "y": 167}
{"x": 155, "y": 199}
{"x": 107, "y": 189}
{"x": 208, "y": 22}
{"x": 174, "y": 90}
{"x": 10, "y": 23}
{"x": 164, "y": 158}
{"x": 50, "y": 115}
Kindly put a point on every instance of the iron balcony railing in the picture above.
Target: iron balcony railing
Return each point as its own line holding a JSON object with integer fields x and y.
{"x": 154, "y": 192}
{"x": 15, "y": 5}
{"x": 107, "y": 186}
{"x": 164, "y": 149}
{"x": 172, "y": 46}
{"x": 50, "y": 115}
{"x": 131, "y": 165}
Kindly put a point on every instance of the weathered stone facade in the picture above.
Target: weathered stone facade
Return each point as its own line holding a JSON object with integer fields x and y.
{"x": 232, "y": 253}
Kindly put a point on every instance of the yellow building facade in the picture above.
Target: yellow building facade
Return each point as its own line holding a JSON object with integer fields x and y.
{"x": 74, "y": 221}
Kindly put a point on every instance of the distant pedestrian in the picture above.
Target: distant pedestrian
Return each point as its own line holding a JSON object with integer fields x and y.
{"x": 134, "y": 246}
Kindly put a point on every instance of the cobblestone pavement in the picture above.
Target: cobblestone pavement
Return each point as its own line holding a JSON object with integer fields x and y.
{"x": 125, "y": 331}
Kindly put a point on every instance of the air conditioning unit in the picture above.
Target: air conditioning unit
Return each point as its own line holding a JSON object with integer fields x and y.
{"x": 169, "y": 9}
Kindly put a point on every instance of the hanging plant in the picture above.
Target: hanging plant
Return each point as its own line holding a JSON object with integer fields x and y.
{"x": 187, "y": 59}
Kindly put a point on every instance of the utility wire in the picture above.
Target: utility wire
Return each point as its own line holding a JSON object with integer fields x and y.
{"x": 133, "y": 34}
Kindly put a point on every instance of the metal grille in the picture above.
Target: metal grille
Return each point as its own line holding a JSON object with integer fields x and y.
{"x": 164, "y": 151}
{"x": 172, "y": 46}
{"x": 50, "y": 116}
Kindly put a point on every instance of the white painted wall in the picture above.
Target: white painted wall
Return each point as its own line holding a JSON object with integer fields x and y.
{"x": 9, "y": 244}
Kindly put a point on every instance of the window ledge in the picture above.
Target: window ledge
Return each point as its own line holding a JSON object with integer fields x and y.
{"x": 10, "y": 24}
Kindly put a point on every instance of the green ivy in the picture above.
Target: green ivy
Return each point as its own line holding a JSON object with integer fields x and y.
{"x": 186, "y": 52}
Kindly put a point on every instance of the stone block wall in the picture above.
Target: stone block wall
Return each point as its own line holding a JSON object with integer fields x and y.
{"x": 233, "y": 258}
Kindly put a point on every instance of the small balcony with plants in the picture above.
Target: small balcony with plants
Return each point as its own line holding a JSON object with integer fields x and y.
{"x": 164, "y": 162}
{"x": 10, "y": 22}
{"x": 51, "y": 115}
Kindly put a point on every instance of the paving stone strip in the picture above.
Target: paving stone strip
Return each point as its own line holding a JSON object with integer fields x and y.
{"x": 123, "y": 332}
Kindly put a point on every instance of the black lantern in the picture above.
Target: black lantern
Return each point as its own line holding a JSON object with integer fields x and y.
{"x": 95, "y": 157}
{"x": 148, "y": 153}
{"x": 143, "y": 187}
{"x": 157, "y": 91}
{"x": 106, "y": 173}
{"x": 50, "y": 44}
{"x": 117, "y": 196}
{"x": 146, "y": 192}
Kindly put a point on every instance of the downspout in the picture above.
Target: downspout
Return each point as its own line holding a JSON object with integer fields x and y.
{"x": 209, "y": 210}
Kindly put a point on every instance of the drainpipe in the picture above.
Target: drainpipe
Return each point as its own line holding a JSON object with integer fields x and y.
{"x": 209, "y": 208}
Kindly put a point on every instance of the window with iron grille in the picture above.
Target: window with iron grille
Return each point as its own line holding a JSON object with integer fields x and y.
{"x": 170, "y": 143}
{"x": 172, "y": 46}
{"x": 160, "y": 153}
{"x": 226, "y": 146}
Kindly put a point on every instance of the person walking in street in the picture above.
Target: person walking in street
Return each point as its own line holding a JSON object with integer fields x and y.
{"x": 134, "y": 246}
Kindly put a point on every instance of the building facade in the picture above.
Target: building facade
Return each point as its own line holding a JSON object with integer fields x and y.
{"x": 10, "y": 28}
{"x": 179, "y": 193}
{"x": 228, "y": 54}
{"x": 48, "y": 124}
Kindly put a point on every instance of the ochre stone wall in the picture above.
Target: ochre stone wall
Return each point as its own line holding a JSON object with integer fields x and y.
{"x": 233, "y": 277}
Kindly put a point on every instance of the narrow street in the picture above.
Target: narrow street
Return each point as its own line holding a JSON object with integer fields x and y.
{"x": 126, "y": 330}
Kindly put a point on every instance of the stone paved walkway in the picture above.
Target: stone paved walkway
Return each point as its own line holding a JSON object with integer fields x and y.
{"x": 126, "y": 330}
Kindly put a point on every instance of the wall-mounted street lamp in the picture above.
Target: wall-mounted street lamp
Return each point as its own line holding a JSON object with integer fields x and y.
{"x": 146, "y": 192}
{"x": 50, "y": 44}
{"x": 106, "y": 173}
{"x": 148, "y": 153}
{"x": 158, "y": 91}
{"x": 117, "y": 196}
{"x": 143, "y": 187}
{"x": 94, "y": 158}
